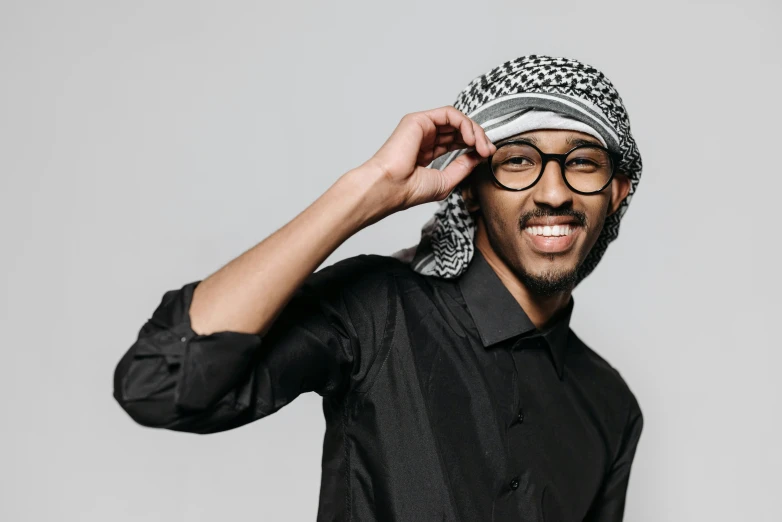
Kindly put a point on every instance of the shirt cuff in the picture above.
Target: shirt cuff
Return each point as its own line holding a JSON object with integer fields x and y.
{"x": 179, "y": 370}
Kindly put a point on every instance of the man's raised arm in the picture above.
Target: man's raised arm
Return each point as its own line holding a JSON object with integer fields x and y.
{"x": 205, "y": 361}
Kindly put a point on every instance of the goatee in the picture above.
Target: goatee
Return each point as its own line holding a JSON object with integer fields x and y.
{"x": 549, "y": 283}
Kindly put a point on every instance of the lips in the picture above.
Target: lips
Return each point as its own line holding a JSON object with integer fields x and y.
{"x": 552, "y": 234}
{"x": 552, "y": 239}
{"x": 550, "y": 231}
{"x": 552, "y": 220}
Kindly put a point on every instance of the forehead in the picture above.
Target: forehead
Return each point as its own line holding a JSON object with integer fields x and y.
{"x": 552, "y": 137}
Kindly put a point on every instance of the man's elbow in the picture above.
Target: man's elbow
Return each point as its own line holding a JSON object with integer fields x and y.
{"x": 143, "y": 392}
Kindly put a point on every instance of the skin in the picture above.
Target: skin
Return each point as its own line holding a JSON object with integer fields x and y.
{"x": 248, "y": 293}
{"x": 500, "y": 213}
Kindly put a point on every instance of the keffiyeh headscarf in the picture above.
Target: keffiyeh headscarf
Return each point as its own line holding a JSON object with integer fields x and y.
{"x": 528, "y": 93}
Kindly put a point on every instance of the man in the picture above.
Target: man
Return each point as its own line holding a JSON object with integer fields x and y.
{"x": 453, "y": 387}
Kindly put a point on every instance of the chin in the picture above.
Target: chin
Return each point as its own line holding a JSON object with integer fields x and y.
{"x": 541, "y": 265}
{"x": 547, "y": 278}
{"x": 549, "y": 283}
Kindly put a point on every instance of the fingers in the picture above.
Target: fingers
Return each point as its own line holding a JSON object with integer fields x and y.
{"x": 449, "y": 120}
{"x": 427, "y": 155}
{"x": 448, "y": 138}
{"x": 449, "y": 116}
{"x": 460, "y": 168}
{"x": 450, "y": 143}
{"x": 483, "y": 145}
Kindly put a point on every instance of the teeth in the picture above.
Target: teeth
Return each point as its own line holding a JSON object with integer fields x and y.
{"x": 549, "y": 231}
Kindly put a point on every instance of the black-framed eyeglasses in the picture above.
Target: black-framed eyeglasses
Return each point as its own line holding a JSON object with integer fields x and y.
{"x": 586, "y": 168}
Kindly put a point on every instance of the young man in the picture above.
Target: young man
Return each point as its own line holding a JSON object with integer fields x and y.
{"x": 453, "y": 387}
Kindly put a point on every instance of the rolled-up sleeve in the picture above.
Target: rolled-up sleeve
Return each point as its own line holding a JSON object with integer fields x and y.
{"x": 323, "y": 340}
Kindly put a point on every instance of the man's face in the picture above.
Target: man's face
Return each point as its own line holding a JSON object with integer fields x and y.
{"x": 510, "y": 220}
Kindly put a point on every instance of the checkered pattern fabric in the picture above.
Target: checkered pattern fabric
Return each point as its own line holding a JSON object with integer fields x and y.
{"x": 493, "y": 100}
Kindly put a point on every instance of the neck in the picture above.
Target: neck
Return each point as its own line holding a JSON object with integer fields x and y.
{"x": 540, "y": 309}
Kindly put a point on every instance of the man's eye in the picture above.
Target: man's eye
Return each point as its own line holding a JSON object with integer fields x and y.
{"x": 579, "y": 162}
{"x": 518, "y": 160}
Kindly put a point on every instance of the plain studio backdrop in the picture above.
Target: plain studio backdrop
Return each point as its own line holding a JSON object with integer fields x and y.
{"x": 145, "y": 144}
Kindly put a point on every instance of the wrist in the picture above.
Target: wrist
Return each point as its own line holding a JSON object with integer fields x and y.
{"x": 366, "y": 189}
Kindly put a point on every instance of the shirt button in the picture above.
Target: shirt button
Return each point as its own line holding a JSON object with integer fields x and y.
{"x": 520, "y": 415}
{"x": 514, "y": 484}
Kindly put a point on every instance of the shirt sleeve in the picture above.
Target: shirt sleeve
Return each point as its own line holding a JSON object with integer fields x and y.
{"x": 609, "y": 504}
{"x": 324, "y": 340}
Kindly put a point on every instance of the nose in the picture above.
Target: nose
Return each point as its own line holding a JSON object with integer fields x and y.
{"x": 551, "y": 190}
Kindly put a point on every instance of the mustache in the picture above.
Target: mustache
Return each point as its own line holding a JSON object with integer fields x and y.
{"x": 578, "y": 217}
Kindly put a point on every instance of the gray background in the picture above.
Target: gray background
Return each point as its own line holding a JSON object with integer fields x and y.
{"x": 145, "y": 144}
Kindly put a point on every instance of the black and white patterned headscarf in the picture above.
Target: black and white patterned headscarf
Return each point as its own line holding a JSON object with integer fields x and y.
{"x": 517, "y": 96}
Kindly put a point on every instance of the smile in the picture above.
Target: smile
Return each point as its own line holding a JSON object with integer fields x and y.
{"x": 552, "y": 239}
{"x": 549, "y": 231}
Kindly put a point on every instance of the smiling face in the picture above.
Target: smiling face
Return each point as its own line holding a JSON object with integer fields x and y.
{"x": 544, "y": 233}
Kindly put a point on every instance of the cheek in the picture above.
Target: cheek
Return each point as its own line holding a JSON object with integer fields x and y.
{"x": 596, "y": 211}
{"x": 501, "y": 214}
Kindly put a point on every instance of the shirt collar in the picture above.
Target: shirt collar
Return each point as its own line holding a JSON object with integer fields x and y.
{"x": 498, "y": 316}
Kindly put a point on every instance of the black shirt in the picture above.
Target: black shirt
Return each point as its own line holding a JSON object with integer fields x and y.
{"x": 442, "y": 400}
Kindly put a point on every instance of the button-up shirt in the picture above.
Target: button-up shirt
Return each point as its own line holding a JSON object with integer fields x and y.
{"x": 442, "y": 399}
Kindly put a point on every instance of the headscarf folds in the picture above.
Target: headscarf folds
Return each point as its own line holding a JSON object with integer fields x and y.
{"x": 529, "y": 93}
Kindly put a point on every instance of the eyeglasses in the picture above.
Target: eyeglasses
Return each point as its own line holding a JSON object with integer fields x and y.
{"x": 586, "y": 169}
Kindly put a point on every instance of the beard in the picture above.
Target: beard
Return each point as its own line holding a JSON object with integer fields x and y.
{"x": 544, "y": 284}
{"x": 548, "y": 283}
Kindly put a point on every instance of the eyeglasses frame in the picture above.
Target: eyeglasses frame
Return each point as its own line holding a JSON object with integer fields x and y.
{"x": 559, "y": 158}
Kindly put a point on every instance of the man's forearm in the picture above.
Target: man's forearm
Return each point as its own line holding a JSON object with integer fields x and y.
{"x": 247, "y": 294}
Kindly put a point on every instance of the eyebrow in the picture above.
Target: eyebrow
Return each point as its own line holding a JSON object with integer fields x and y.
{"x": 570, "y": 140}
{"x": 526, "y": 139}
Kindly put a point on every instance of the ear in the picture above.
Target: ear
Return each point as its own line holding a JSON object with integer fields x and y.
{"x": 469, "y": 196}
{"x": 620, "y": 188}
{"x": 469, "y": 188}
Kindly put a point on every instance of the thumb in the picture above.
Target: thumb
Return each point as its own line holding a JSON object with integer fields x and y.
{"x": 460, "y": 168}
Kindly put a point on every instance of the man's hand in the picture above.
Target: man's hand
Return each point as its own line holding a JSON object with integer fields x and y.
{"x": 419, "y": 138}
{"x": 247, "y": 294}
